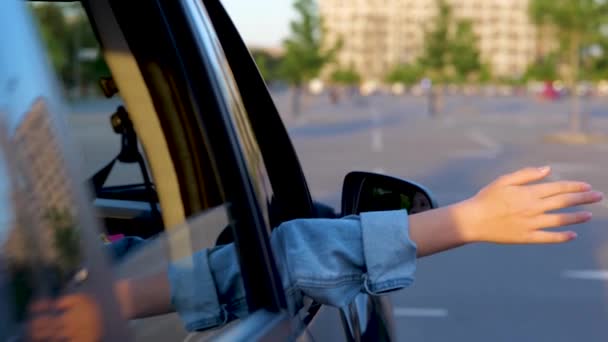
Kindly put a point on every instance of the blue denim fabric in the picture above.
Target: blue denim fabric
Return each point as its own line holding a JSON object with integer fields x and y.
{"x": 328, "y": 260}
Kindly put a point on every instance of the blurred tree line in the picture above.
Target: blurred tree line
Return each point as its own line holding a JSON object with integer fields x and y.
{"x": 580, "y": 28}
{"x": 451, "y": 48}
{"x": 72, "y": 46}
{"x": 450, "y": 54}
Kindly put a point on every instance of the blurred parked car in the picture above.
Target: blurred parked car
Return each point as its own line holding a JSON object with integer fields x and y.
{"x": 551, "y": 92}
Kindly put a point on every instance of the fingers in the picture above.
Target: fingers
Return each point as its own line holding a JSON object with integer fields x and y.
{"x": 67, "y": 302}
{"x": 542, "y": 237}
{"x": 524, "y": 176}
{"x": 42, "y": 326}
{"x": 556, "y": 188}
{"x": 570, "y": 200}
{"x": 41, "y": 306}
{"x": 564, "y": 219}
{"x": 81, "y": 319}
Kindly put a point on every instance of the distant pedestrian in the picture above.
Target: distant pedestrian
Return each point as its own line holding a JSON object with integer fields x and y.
{"x": 427, "y": 87}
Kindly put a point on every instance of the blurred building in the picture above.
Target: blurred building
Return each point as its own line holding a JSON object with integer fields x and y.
{"x": 44, "y": 188}
{"x": 378, "y": 34}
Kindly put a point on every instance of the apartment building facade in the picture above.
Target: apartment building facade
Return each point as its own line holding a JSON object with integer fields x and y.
{"x": 379, "y": 34}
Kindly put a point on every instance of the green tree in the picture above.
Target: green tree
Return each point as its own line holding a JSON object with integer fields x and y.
{"x": 450, "y": 52}
{"x": 83, "y": 38}
{"x": 408, "y": 74}
{"x": 345, "y": 76}
{"x": 576, "y": 24}
{"x": 66, "y": 32}
{"x": 435, "y": 57}
{"x": 268, "y": 64}
{"x": 66, "y": 240}
{"x": 54, "y": 30}
{"x": 464, "y": 52}
{"x": 306, "y": 52}
{"x": 485, "y": 73}
{"x": 543, "y": 69}
{"x": 596, "y": 64}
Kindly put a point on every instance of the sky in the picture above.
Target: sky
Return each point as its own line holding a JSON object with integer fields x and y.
{"x": 261, "y": 22}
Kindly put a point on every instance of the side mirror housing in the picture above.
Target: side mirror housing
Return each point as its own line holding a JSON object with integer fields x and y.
{"x": 366, "y": 191}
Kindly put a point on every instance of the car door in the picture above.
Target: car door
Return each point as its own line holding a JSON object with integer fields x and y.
{"x": 199, "y": 117}
{"x": 187, "y": 109}
{"x": 367, "y": 318}
{"x": 203, "y": 159}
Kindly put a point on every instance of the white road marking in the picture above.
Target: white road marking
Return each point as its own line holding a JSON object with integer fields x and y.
{"x": 571, "y": 167}
{"x": 377, "y": 136}
{"x": 375, "y": 115}
{"x": 491, "y": 149}
{"x": 484, "y": 140}
{"x": 421, "y": 312}
{"x": 586, "y": 274}
{"x": 484, "y": 154}
{"x": 559, "y": 169}
{"x": 190, "y": 337}
{"x": 379, "y": 170}
{"x": 377, "y": 140}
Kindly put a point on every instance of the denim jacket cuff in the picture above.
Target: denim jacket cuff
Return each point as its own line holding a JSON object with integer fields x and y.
{"x": 389, "y": 266}
{"x": 193, "y": 293}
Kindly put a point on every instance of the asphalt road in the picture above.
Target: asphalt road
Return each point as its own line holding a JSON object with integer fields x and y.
{"x": 475, "y": 293}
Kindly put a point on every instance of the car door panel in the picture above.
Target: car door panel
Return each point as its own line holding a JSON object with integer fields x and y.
{"x": 198, "y": 109}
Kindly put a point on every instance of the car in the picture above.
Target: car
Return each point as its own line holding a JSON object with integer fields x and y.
{"x": 215, "y": 163}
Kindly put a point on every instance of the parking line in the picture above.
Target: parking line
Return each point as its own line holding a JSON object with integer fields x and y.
{"x": 190, "y": 337}
{"x": 377, "y": 140}
{"x": 484, "y": 140}
{"x": 377, "y": 136}
{"x": 421, "y": 312}
{"x": 490, "y": 148}
{"x": 585, "y": 274}
{"x": 481, "y": 154}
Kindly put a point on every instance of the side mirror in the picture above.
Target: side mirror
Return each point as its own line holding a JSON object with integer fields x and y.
{"x": 365, "y": 191}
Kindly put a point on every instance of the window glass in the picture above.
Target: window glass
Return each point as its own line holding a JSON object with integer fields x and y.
{"x": 199, "y": 270}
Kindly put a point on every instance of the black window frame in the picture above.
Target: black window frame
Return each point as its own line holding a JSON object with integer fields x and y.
{"x": 167, "y": 52}
{"x": 292, "y": 195}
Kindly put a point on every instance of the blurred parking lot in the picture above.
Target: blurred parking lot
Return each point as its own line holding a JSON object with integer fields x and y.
{"x": 530, "y": 294}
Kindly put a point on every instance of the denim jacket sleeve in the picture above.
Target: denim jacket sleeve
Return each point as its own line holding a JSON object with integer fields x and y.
{"x": 328, "y": 260}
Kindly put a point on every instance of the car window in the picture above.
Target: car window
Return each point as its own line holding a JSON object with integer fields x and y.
{"x": 134, "y": 235}
{"x": 76, "y": 58}
{"x": 291, "y": 198}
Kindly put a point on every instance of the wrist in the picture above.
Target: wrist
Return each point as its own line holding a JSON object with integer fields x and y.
{"x": 123, "y": 296}
{"x": 466, "y": 218}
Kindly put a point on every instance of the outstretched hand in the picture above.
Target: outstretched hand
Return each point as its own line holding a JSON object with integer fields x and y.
{"x": 512, "y": 210}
